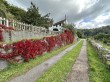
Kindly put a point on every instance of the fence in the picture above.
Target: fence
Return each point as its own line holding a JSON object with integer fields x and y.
{"x": 23, "y": 31}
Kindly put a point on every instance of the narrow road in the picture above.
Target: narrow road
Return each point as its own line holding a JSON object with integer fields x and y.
{"x": 79, "y": 71}
{"x": 3, "y": 64}
{"x": 37, "y": 71}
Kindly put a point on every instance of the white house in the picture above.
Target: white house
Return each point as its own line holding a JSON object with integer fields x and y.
{"x": 54, "y": 28}
{"x": 58, "y": 25}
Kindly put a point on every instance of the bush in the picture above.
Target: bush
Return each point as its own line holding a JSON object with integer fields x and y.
{"x": 29, "y": 49}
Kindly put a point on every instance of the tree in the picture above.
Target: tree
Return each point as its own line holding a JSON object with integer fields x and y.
{"x": 32, "y": 15}
{"x": 79, "y": 34}
{"x": 12, "y": 11}
{"x": 46, "y": 21}
{"x": 2, "y": 13}
{"x": 70, "y": 27}
{"x": 17, "y": 12}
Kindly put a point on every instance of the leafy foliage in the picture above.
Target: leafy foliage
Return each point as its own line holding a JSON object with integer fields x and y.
{"x": 29, "y": 49}
{"x": 95, "y": 31}
{"x": 3, "y": 8}
{"x": 102, "y": 33}
{"x": 34, "y": 17}
{"x": 70, "y": 27}
{"x": 79, "y": 34}
{"x": 17, "y": 12}
{"x": 14, "y": 70}
{"x": 105, "y": 38}
{"x": 98, "y": 71}
{"x": 2, "y": 13}
{"x": 31, "y": 16}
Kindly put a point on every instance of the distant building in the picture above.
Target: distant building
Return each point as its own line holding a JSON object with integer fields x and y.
{"x": 54, "y": 28}
{"x": 58, "y": 25}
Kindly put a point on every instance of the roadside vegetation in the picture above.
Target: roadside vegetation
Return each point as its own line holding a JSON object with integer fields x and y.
{"x": 14, "y": 70}
{"x": 104, "y": 45}
{"x": 98, "y": 71}
{"x": 101, "y": 34}
{"x": 59, "y": 71}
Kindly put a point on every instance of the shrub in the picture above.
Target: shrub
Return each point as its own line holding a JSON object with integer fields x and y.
{"x": 29, "y": 49}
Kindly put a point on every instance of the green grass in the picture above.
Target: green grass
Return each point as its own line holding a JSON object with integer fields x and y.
{"x": 98, "y": 71}
{"x": 59, "y": 71}
{"x": 108, "y": 63}
{"x": 14, "y": 70}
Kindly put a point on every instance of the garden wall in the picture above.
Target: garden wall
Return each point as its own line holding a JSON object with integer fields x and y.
{"x": 103, "y": 53}
{"x": 11, "y": 31}
{"x": 30, "y": 48}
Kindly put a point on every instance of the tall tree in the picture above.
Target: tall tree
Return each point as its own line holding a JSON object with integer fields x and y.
{"x": 2, "y": 13}
{"x": 79, "y": 34}
{"x": 47, "y": 21}
{"x": 32, "y": 15}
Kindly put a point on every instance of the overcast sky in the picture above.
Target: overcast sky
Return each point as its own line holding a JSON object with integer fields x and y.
{"x": 83, "y": 13}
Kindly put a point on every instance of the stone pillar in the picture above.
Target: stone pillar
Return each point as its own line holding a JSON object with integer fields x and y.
{"x": 7, "y": 23}
{"x": 4, "y": 21}
{"x": 1, "y": 20}
{"x": 13, "y": 23}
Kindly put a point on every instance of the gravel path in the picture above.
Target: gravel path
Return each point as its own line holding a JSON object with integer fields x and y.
{"x": 79, "y": 71}
{"x": 3, "y": 64}
{"x": 37, "y": 71}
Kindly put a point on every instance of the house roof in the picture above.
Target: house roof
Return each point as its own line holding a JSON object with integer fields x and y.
{"x": 60, "y": 22}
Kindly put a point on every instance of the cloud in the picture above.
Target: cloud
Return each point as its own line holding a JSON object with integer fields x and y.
{"x": 84, "y": 13}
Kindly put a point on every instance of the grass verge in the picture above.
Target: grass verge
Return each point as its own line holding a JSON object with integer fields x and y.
{"x": 59, "y": 71}
{"x": 17, "y": 69}
{"x": 98, "y": 71}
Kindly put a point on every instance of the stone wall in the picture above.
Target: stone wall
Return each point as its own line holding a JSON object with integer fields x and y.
{"x": 103, "y": 53}
{"x": 23, "y": 31}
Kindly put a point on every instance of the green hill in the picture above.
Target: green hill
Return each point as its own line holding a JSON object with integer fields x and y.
{"x": 95, "y": 31}
{"x": 4, "y": 11}
{"x": 102, "y": 33}
{"x": 31, "y": 16}
{"x": 11, "y": 12}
